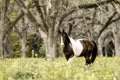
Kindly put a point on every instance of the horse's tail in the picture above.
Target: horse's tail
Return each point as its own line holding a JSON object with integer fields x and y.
{"x": 94, "y": 54}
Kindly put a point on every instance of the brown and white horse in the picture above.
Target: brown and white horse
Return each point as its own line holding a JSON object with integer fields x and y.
{"x": 79, "y": 47}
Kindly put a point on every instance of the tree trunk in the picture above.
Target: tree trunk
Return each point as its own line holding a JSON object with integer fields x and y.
{"x": 23, "y": 46}
{"x": 23, "y": 36}
{"x": 3, "y": 14}
{"x": 116, "y": 34}
{"x": 117, "y": 44}
{"x": 101, "y": 40}
{"x": 50, "y": 47}
{"x": 8, "y": 45}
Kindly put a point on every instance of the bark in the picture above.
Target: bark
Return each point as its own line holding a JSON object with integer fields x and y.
{"x": 29, "y": 15}
{"x": 116, "y": 33}
{"x": 117, "y": 44}
{"x": 102, "y": 39}
{"x": 10, "y": 25}
{"x": 50, "y": 45}
{"x": 85, "y": 6}
{"x": 2, "y": 26}
{"x": 23, "y": 46}
{"x": 109, "y": 21}
{"x": 50, "y": 48}
{"x": 48, "y": 27}
{"x": 23, "y": 37}
{"x": 42, "y": 16}
{"x": 8, "y": 45}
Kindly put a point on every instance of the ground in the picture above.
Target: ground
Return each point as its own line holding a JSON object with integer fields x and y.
{"x": 103, "y": 68}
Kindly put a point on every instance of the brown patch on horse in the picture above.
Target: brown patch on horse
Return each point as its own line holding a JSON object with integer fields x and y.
{"x": 68, "y": 51}
{"x": 87, "y": 46}
{"x": 88, "y": 50}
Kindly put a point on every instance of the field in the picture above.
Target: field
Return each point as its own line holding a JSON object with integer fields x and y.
{"x": 40, "y": 69}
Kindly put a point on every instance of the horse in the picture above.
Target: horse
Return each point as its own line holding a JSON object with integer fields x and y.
{"x": 77, "y": 48}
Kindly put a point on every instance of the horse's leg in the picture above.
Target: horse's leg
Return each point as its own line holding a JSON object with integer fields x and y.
{"x": 94, "y": 53}
{"x": 70, "y": 59}
{"x": 88, "y": 60}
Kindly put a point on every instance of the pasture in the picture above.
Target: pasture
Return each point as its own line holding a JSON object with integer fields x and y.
{"x": 39, "y": 69}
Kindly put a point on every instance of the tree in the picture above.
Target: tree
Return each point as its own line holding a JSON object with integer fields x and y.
{"x": 49, "y": 26}
{"x": 2, "y": 26}
{"x": 23, "y": 36}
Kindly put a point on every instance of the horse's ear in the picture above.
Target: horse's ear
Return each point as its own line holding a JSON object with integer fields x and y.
{"x": 63, "y": 31}
{"x": 59, "y": 31}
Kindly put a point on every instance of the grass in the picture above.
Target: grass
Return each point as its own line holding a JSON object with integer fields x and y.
{"x": 40, "y": 69}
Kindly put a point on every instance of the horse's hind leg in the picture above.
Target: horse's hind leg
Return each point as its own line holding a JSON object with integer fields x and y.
{"x": 88, "y": 60}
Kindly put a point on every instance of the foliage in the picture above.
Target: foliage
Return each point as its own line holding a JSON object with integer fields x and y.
{"x": 33, "y": 43}
{"x": 16, "y": 49}
{"x": 40, "y": 69}
{"x": 15, "y": 44}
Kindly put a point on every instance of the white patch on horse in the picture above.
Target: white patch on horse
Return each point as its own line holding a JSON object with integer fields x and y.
{"x": 77, "y": 46}
{"x": 61, "y": 41}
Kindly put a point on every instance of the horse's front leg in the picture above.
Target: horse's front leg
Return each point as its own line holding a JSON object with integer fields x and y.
{"x": 70, "y": 59}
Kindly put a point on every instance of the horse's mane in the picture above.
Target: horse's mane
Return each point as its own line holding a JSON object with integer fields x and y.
{"x": 67, "y": 37}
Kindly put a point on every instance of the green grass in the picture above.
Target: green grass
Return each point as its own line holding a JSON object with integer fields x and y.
{"x": 40, "y": 69}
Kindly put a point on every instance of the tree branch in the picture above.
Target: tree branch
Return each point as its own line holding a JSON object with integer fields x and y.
{"x": 107, "y": 23}
{"x": 12, "y": 24}
{"x": 114, "y": 20}
{"x": 28, "y": 14}
{"x": 85, "y": 6}
{"x": 41, "y": 14}
{"x": 117, "y": 2}
{"x": 94, "y": 5}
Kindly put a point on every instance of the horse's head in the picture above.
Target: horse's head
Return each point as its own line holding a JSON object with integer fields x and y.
{"x": 64, "y": 38}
